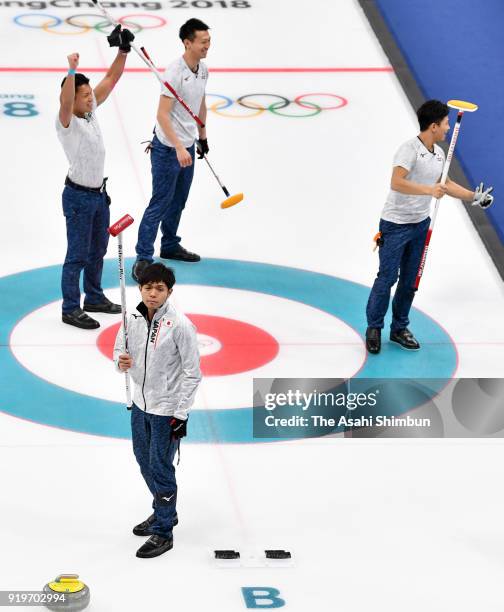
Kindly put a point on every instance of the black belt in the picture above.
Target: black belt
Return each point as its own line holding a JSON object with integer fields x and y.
{"x": 73, "y": 185}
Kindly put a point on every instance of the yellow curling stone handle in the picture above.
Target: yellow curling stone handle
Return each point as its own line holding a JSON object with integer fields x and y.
{"x": 67, "y": 583}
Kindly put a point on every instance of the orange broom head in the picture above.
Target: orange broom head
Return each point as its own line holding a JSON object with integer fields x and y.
{"x": 234, "y": 199}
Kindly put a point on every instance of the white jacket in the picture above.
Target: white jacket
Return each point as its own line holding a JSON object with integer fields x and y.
{"x": 166, "y": 361}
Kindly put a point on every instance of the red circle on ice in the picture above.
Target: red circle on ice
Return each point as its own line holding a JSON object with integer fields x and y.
{"x": 243, "y": 346}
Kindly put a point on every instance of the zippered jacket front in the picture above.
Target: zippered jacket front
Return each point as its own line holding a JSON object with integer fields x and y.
{"x": 166, "y": 361}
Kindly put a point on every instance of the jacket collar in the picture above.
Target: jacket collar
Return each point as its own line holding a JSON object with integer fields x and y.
{"x": 160, "y": 312}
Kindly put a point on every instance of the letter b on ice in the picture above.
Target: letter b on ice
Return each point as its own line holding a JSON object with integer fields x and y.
{"x": 262, "y": 597}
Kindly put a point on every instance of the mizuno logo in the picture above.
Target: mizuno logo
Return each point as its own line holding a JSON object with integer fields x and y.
{"x": 168, "y": 498}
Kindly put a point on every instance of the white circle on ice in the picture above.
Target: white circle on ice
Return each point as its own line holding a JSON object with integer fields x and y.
{"x": 208, "y": 345}
{"x": 313, "y": 344}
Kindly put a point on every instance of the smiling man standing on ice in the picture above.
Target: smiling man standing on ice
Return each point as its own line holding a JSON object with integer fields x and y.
{"x": 85, "y": 199}
{"x": 172, "y": 149}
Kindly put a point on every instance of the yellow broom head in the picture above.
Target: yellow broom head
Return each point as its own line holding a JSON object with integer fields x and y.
{"x": 231, "y": 201}
{"x": 467, "y": 107}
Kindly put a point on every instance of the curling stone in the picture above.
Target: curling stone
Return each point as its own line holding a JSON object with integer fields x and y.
{"x": 77, "y": 594}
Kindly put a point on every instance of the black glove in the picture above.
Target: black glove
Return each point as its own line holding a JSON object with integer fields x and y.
{"x": 202, "y": 147}
{"x": 179, "y": 428}
{"x": 127, "y": 37}
{"x": 121, "y": 38}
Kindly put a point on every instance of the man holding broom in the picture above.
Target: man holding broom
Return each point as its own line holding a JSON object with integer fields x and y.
{"x": 172, "y": 149}
{"x": 418, "y": 165}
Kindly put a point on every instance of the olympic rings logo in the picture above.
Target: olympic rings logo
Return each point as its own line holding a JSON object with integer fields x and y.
{"x": 84, "y": 23}
{"x": 253, "y": 105}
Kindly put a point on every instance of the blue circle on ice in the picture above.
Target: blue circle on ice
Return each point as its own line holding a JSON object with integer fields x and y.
{"x": 27, "y": 396}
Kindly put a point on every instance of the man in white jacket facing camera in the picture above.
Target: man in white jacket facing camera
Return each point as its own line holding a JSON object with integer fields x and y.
{"x": 164, "y": 364}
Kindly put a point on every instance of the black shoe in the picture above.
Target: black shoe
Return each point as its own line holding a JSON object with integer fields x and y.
{"x": 373, "y": 340}
{"x": 138, "y": 268}
{"x": 181, "y": 254}
{"x": 106, "y": 306}
{"x": 405, "y": 338}
{"x": 155, "y": 546}
{"x": 144, "y": 529}
{"x": 79, "y": 318}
